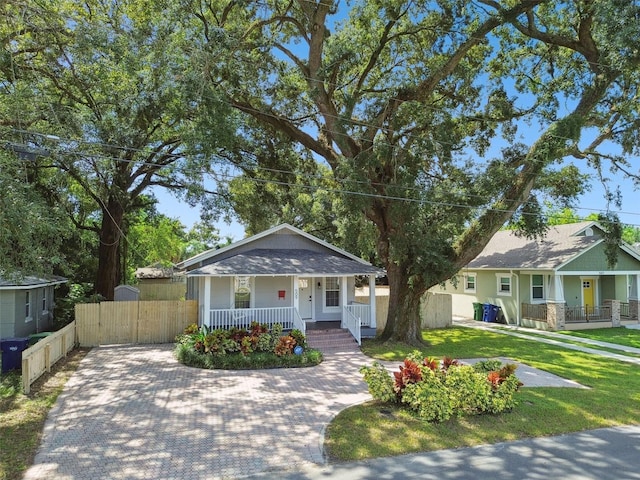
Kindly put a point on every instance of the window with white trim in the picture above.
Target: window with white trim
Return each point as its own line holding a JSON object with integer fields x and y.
{"x": 470, "y": 283}
{"x": 242, "y": 293}
{"x": 27, "y": 306}
{"x": 44, "y": 300}
{"x": 537, "y": 287}
{"x": 331, "y": 292}
{"x": 504, "y": 285}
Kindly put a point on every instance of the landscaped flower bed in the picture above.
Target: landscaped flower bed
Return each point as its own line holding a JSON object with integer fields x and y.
{"x": 436, "y": 391}
{"x": 236, "y": 348}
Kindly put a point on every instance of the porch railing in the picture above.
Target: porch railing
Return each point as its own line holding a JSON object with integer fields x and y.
{"x": 361, "y": 311}
{"x": 351, "y": 323}
{"x": 624, "y": 310}
{"x": 600, "y": 313}
{"x": 288, "y": 317}
{"x": 537, "y": 311}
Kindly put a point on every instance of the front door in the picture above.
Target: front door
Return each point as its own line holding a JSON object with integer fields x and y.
{"x": 588, "y": 292}
{"x": 305, "y": 287}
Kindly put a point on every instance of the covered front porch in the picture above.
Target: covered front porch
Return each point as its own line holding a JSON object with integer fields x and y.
{"x": 599, "y": 301}
{"x": 290, "y": 300}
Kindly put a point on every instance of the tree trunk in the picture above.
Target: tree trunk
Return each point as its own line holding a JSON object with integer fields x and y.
{"x": 109, "y": 252}
{"x": 403, "y": 320}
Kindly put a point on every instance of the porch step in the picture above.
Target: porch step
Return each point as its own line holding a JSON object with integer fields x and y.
{"x": 332, "y": 340}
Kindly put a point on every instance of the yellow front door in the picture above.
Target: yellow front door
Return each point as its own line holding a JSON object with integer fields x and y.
{"x": 588, "y": 293}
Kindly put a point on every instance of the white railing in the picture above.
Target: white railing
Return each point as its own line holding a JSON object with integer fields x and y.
{"x": 288, "y": 317}
{"x": 351, "y": 323}
{"x": 361, "y": 311}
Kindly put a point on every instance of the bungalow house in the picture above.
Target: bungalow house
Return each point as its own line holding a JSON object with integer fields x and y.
{"x": 282, "y": 275}
{"x": 26, "y": 305}
{"x": 560, "y": 281}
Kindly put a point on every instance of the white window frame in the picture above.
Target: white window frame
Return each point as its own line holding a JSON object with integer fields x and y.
{"x": 466, "y": 282}
{"x": 236, "y": 281}
{"x": 325, "y": 308}
{"x": 543, "y": 299}
{"x": 45, "y": 308}
{"x": 27, "y": 307}
{"x": 499, "y": 291}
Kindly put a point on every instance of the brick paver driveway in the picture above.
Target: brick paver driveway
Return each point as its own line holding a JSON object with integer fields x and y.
{"x": 135, "y": 412}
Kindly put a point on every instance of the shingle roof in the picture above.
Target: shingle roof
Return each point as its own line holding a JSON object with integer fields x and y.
{"x": 559, "y": 245}
{"x": 286, "y": 262}
{"x": 31, "y": 281}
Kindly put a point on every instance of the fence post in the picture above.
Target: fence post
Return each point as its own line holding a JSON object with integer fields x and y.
{"x": 26, "y": 384}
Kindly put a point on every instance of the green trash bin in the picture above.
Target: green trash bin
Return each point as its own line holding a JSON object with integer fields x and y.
{"x": 477, "y": 311}
{"x": 36, "y": 337}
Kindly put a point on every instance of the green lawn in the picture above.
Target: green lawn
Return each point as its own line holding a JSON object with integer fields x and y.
{"x": 374, "y": 430}
{"x": 620, "y": 335}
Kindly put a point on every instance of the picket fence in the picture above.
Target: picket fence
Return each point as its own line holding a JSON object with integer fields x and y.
{"x": 38, "y": 359}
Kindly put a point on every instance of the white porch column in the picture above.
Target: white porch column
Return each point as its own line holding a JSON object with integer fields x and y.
{"x": 343, "y": 298}
{"x": 634, "y": 297}
{"x": 556, "y": 289}
{"x": 295, "y": 288}
{"x": 372, "y": 300}
{"x": 207, "y": 301}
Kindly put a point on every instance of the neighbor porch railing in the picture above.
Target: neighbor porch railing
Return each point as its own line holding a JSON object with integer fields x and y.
{"x": 361, "y": 311}
{"x": 537, "y": 311}
{"x": 351, "y": 323}
{"x": 624, "y": 310}
{"x": 600, "y": 313}
{"x": 288, "y": 317}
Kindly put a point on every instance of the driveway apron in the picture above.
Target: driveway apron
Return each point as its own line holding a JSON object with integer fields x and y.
{"x": 135, "y": 412}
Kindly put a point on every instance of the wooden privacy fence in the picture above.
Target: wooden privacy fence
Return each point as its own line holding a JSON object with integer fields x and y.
{"x": 40, "y": 357}
{"x": 110, "y": 323}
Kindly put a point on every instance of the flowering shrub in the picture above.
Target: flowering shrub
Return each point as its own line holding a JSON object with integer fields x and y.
{"x": 438, "y": 390}
{"x": 257, "y": 347}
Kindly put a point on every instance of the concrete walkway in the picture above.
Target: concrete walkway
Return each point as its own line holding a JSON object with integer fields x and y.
{"x": 134, "y": 412}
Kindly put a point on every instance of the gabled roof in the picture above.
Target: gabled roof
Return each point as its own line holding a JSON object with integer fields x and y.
{"x": 561, "y": 244}
{"x": 27, "y": 282}
{"x": 278, "y": 261}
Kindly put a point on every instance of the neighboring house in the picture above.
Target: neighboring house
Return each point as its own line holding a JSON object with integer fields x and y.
{"x": 158, "y": 274}
{"x": 559, "y": 281}
{"x": 26, "y": 305}
{"x": 282, "y": 275}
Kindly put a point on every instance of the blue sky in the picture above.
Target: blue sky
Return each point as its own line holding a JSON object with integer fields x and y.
{"x": 592, "y": 201}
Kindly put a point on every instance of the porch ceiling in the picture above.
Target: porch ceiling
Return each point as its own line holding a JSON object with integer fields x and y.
{"x": 286, "y": 262}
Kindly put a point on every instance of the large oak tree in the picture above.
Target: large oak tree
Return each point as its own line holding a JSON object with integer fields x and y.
{"x": 406, "y": 102}
{"x": 107, "y": 90}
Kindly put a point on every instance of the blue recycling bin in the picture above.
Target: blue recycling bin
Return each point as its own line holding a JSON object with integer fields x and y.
{"x": 489, "y": 312}
{"x": 12, "y": 349}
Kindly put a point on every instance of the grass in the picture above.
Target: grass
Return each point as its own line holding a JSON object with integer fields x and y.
{"x": 619, "y": 335}
{"x": 22, "y": 416}
{"x": 375, "y": 430}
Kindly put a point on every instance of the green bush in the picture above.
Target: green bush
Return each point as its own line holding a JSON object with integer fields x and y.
{"x": 436, "y": 392}
{"x": 429, "y": 398}
{"x": 470, "y": 391}
{"x": 241, "y": 349}
{"x": 379, "y": 382}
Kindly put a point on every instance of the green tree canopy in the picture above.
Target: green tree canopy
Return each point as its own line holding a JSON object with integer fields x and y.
{"x": 109, "y": 91}
{"x": 405, "y": 102}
